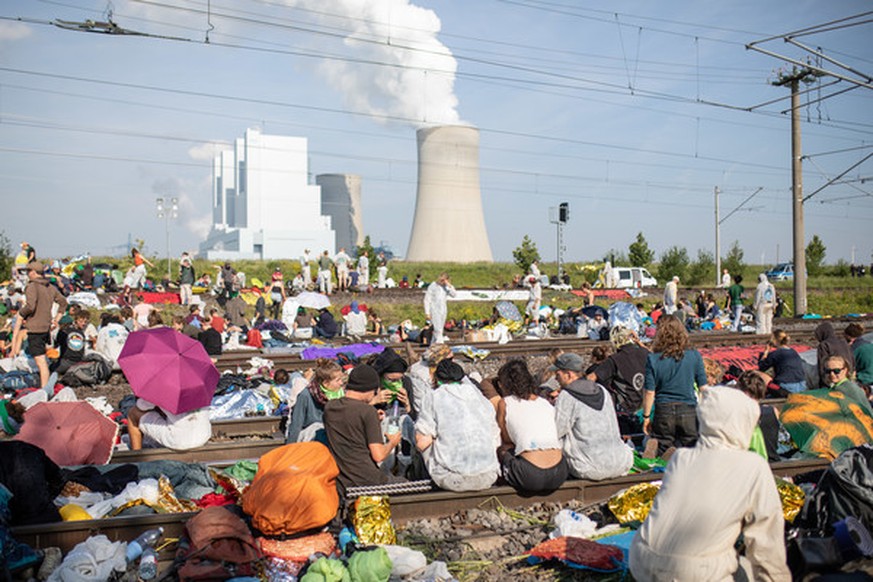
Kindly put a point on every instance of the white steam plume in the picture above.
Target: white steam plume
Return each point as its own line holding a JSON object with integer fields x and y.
{"x": 417, "y": 81}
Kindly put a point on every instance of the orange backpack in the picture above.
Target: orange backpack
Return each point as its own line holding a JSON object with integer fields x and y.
{"x": 294, "y": 489}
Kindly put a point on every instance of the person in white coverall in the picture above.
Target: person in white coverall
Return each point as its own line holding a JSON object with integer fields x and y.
{"x": 710, "y": 495}
{"x": 765, "y": 302}
{"x": 435, "y": 308}
{"x": 671, "y": 295}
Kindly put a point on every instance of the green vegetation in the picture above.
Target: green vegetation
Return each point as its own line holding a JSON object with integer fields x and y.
{"x": 525, "y": 254}
{"x": 815, "y": 255}
{"x": 674, "y": 262}
{"x": 700, "y": 272}
{"x": 639, "y": 253}
{"x": 733, "y": 262}
{"x": 6, "y": 256}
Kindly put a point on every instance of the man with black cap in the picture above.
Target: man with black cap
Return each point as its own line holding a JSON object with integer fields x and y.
{"x": 457, "y": 432}
{"x": 354, "y": 432}
{"x": 39, "y": 296}
{"x": 587, "y": 425}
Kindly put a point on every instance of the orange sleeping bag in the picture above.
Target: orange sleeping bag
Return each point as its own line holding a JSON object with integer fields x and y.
{"x": 294, "y": 489}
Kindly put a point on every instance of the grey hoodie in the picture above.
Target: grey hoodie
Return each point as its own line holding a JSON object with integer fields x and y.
{"x": 830, "y": 345}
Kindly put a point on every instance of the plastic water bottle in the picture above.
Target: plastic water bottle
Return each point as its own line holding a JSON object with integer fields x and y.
{"x": 148, "y": 564}
{"x": 394, "y": 419}
{"x": 146, "y": 539}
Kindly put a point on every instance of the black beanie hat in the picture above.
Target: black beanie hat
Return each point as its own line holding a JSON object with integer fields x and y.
{"x": 363, "y": 378}
{"x": 448, "y": 371}
{"x": 389, "y": 361}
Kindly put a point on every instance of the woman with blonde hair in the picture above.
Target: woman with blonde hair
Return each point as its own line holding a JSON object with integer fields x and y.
{"x": 306, "y": 422}
{"x": 672, "y": 373}
{"x": 785, "y": 362}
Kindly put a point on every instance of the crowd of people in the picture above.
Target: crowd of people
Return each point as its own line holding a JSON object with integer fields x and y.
{"x": 388, "y": 419}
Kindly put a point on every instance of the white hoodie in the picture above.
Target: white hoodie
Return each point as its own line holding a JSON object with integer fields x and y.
{"x": 710, "y": 495}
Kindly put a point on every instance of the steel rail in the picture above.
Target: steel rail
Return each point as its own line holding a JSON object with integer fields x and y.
{"x": 404, "y": 508}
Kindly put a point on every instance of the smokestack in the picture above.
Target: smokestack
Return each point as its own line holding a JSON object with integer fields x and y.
{"x": 341, "y": 200}
{"x": 449, "y": 225}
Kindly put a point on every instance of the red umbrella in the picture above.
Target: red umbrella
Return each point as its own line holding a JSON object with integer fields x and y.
{"x": 168, "y": 369}
{"x": 70, "y": 433}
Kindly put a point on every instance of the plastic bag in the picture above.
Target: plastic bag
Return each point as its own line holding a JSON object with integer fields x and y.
{"x": 625, "y": 315}
{"x": 405, "y": 561}
{"x": 572, "y": 524}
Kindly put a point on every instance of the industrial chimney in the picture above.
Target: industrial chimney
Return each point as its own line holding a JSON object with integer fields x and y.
{"x": 449, "y": 225}
{"x": 341, "y": 200}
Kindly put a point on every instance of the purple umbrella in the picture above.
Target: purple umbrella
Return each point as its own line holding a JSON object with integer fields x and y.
{"x": 168, "y": 369}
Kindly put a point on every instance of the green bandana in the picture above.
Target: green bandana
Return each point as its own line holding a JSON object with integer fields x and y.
{"x": 331, "y": 394}
{"x": 8, "y": 427}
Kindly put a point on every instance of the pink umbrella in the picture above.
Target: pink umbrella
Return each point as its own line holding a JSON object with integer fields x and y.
{"x": 70, "y": 433}
{"x": 168, "y": 369}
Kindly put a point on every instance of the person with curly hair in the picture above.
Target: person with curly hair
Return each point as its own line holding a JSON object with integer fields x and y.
{"x": 531, "y": 457}
{"x": 672, "y": 370}
{"x": 308, "y": 412}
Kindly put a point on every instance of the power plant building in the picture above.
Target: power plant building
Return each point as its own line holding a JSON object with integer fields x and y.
{"x": 449, "y": 225}
{"x": 341, "y": 201}
{"x": 262, "y": 204}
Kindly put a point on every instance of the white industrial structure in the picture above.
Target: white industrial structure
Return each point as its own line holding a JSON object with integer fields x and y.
{"x": 341, "y": 201}
{"x": 262, "y": 204}
{"x": 449, "y": 225}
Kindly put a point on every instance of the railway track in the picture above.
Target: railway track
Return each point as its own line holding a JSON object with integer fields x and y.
{"x": 403, "y": 507}
{"x": 238, "y": 360}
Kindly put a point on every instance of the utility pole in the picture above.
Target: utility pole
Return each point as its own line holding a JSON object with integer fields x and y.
{"x": 717, "y": 242}
{"x": 793, "y": 80}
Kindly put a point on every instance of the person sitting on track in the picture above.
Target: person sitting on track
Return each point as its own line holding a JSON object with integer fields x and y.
{"x": 457, "y": 432}
{"x": 587, "y": 425}
{"x": 306, "y": 422}
{"x": 711, "y": 495}
{"x": 531, "y": 456}
{"x": 151, "y": 426}
{"x": 354, "y": 432}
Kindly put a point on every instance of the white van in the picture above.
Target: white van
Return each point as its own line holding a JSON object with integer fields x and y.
{"x": 632, "y": 278}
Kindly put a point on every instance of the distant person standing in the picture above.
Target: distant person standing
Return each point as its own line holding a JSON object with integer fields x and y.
{"x": 39, "y": 296}
{"x": 765, "y": 301}
{"x": 325, "y": 278}
{"x": 341, "y": 261}
{"x": 305, "y": 268}
{"x": 139, "y": 269}
{"x": 735, "y": 301}
{"x": 535, "y": 298}
{"x": 186, "y": 279}
{"x": 671, "y": 296}
{"x": 435, "y": 308}
{"x": 363, "y": 269}
{"x": 382, "y": 272}
{"x": 725, "y": 279}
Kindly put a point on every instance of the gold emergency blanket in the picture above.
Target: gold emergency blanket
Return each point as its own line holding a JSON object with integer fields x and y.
{"x": 792, "y": 498}
{"x": 167, "y": 501}
{"x": 634, "y": 503}
{"x": 372, "y": 520}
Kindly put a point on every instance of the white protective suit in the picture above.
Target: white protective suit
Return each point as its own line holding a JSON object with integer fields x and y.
{"x": 765, "y": 302}
{"x": 435, "y": 307}
{"x": 710, "y": 495}
{"x": 463, "y": 425}
{"x": 671, "y": 296}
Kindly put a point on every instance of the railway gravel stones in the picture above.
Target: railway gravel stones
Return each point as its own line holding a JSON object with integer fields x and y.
{"x": 491, "y": 543}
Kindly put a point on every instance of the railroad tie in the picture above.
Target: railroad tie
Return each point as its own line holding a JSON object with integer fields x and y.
{"x": 390, "y": 489}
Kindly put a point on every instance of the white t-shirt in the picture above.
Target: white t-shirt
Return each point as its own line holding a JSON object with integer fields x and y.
{"x": 531, "y": 424}
{"x": 181, "y": 432}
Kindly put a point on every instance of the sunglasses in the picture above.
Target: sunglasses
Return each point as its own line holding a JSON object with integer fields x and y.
{"x": 834, "y": 370}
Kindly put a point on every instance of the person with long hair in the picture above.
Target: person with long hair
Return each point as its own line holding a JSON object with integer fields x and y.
{"x": 672, "y": 370}
{"x": 139, "y": 269}
{"x": 327, "y": 384}
{"x": 785, "y": 362}
{"x": 531, "y": 457}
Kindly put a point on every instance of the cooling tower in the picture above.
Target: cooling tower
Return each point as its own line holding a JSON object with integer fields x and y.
{"x": 449, "y": 225}
{"x": 341, "y": 200}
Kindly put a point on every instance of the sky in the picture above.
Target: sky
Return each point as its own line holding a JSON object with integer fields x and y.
{"x": 633, "y": 112}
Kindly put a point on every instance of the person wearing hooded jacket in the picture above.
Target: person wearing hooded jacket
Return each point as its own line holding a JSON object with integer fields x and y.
{"x": 765, "y": 301}
{"x": 587, "y": 424}
{"x": 710, "y": 495}
{"x": 435, "y": 307}
{"x": 829, "y": 344}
